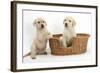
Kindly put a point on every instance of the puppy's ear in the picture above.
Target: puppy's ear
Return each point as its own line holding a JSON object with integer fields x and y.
{"x": 63, "y": 21}
{"x": 45, "y": 23}
{"x": 34, "y": 22}
{"x": 74, "y": 23}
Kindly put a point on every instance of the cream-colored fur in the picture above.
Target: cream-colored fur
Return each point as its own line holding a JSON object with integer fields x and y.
{"x": 40, "y": 41}
{"x": 69, "y": 31}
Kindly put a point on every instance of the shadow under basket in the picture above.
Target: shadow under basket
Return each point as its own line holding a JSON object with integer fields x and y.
{"x": 79, "y": 45}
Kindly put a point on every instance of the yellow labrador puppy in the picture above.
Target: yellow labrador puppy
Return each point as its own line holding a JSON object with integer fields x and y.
{"x": 69, "y": 31}
{"x": 40, "y": 41}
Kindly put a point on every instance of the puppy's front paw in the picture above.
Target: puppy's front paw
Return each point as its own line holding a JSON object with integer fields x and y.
{"x": 49, "y": 36}
{"x": 45, "y": 53}
{"x": 33, "y": 58}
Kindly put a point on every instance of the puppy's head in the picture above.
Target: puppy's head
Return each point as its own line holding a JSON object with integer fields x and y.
{"x": 69, "y": 22}
{"x": 40, "y": 23}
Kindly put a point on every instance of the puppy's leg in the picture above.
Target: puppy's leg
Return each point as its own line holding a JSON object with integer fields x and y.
{"x": 44, "y": 53}
{"x": 60, "y": 40}
{"x": 64, "y": 43}
{"x": 33, "y": 52}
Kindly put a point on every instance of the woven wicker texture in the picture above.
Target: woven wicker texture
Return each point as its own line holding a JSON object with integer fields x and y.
{"x": 79, "y": 45}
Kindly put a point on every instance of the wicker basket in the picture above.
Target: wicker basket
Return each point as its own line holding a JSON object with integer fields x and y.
{"x": 79, "y": 45}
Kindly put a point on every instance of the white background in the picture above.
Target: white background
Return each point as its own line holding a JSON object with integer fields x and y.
{"x": 55, "y": 23}
{"x": 5, "y": 37}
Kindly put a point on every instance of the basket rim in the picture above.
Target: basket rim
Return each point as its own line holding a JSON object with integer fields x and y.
{"x": 85, "y": 35}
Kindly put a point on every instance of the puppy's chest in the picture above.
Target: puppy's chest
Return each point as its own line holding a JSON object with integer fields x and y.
{"x": 42, "y": 36}
{"x": 69, "y": 33}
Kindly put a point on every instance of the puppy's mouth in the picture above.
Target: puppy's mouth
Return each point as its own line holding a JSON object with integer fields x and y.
{"x": 66, "y": 25}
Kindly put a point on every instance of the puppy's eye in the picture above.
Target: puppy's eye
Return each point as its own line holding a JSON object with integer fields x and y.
{"x": 65, "y": 20}
{"x": 69, "y": 20}
{"x": 38, "y": 22}
{"x": 43, "y": 22}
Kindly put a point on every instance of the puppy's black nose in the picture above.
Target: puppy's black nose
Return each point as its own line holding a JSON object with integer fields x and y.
{"x": 66, "y": 25}
{"x": 42, "y": 26}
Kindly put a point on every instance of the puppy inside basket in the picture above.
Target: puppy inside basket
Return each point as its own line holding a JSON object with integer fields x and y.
{"x": 68, "y": 32}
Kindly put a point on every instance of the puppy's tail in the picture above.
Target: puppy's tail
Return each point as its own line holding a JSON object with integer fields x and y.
{"x": 27, "y": 54}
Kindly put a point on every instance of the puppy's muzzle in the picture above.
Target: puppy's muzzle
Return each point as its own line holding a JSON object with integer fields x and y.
{"x": 42, "y": 26}
{"x": 66, "y": 24}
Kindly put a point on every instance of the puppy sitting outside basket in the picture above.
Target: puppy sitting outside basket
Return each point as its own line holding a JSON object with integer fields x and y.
{"x": 39, "y": 44}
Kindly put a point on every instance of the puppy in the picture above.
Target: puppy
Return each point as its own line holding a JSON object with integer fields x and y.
{"x": 40, "y": 41}
{"x": 69, "y": 31}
